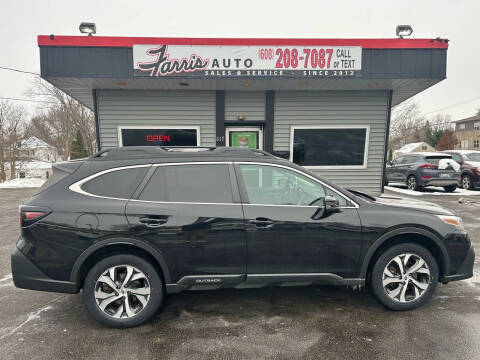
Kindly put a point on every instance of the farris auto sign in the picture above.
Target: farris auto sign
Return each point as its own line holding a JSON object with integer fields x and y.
{"x": 232, "y": 61}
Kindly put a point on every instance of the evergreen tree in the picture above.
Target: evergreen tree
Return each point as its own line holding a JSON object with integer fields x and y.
{"x": 78, "y": 149}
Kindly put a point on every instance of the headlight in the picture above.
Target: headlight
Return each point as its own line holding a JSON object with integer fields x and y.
{"x": 452, "y": 220}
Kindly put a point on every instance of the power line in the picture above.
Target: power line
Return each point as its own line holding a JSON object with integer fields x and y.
{"x": 20, "y": 71}
{"x": 29, "y": 100}
{"x": 451, "y": 106}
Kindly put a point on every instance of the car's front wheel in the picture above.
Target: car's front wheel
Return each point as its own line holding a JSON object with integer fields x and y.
{"x": 404, "y": 277}
{"x": 123, "y": 291}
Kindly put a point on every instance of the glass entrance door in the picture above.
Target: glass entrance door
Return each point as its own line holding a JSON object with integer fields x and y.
{"x": 246, "y": 137}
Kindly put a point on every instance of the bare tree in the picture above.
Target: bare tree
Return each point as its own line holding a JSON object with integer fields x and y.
{"x": 406, "y": 122}
{"x": 12, "y": 118}
{"x": 58, "y": 123}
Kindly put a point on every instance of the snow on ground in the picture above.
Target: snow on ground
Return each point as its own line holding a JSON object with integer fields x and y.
{"x": 22, "y": 183}
{"x": 431, "y": 190}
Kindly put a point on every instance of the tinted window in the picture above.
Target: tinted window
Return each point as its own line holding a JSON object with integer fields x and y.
{"x": 409, "y": 159}
{"x": 436, "y": 159}
{"x": 189, "y": 183}
{"x": 457, "y": 158}
{"x": 117, "y": 184}
{"x": 329, "y": 147}
{"x": 277, "y": 186}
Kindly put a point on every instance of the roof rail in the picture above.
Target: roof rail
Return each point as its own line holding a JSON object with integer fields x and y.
{"x": 136, "y": 152}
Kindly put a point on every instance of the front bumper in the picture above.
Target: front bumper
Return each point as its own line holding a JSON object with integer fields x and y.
{"x": 27, "y": 276}
{"x": 466, "y": 268}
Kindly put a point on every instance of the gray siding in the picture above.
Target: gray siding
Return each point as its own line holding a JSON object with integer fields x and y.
{"x": 155, "y": 108}
{"x": 251, "y": 104}
{"x": 337, "y": 108}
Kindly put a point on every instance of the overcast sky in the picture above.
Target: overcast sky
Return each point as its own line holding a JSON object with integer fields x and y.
{"x": 22, "y": 21}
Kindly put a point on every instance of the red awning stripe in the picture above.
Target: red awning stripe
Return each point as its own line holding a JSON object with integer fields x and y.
{"x": 111, "y": 41}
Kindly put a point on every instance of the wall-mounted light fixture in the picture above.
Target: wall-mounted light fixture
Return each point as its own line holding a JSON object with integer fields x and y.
{"x": 404, "y": 30}
{"x": 88, "y": 28}
{"x": 241, "y": 117}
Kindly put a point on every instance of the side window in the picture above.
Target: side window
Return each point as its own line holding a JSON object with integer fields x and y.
{"x": 270, "y": 185}
{"x": 398, "y": 160}
{"x": 189, "y": 183}
{"x": 457, "y": 158}
{"x": 119, "y": 184}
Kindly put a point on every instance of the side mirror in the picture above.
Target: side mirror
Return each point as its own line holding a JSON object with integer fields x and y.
{"x": 330, "y": 201}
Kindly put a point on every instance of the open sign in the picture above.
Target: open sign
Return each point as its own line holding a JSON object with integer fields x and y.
{"x": 152, "y": 136}
{"x": 156, "y": 137}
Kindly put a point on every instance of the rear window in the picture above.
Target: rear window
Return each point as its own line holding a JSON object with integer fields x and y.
{"x": 435, "y": 159}
{"x": 189, "y": 183}
{"x": 119, "y": 184}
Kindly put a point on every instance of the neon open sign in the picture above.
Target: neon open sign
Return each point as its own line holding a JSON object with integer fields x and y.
{"x": 157, "y": 137}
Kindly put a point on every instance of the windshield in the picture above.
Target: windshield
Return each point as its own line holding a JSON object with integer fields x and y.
{"x": 472, "y": 156}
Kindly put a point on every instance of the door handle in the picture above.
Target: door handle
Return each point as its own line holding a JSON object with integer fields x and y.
{"x": 262, "y": 222}
{"x": 152, "y": 222}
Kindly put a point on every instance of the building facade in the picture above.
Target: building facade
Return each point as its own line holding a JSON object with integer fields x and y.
{"x": 468, "y": 133}
{"x": 322, "y": 103}
{"x": 413, "y": 147}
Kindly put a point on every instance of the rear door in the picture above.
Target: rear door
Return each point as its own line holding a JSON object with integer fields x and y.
{"x": 406, "y": 167}
{"x": 192, "y": 214}
{"x": 286, "y": 240}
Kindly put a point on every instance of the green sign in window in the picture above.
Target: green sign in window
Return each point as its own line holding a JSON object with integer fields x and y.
{"x": 245, "y": 139}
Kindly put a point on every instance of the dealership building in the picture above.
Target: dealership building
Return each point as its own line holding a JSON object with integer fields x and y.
{"x": 322, "y": 103}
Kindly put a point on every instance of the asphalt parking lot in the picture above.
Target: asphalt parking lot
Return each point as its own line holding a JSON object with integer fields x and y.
{"x": 317, "y": 322}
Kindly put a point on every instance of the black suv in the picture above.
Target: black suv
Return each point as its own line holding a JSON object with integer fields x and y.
{"x": 421, "y": 169}
{"x": 130, "y": 225}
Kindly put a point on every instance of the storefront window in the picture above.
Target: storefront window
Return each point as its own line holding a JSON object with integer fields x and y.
{"x": 329, "y": 147}
{"x": 164, "y": 136}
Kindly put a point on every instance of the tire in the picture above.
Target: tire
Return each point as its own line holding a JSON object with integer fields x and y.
{"x": 450, "y": 188}
{"x": 411, "y": 298}
{"x": 412, "y": 183}
{"x": 467, "y": 182}
{"x": 131, "y": 307}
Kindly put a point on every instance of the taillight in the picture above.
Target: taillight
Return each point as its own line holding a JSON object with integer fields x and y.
{"x": 429, "y": 166}
{"x": 426, "y": 177}
{"x": 31, "y": 214}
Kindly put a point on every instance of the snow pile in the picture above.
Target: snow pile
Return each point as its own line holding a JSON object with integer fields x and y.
{"x": 22, "y": 183}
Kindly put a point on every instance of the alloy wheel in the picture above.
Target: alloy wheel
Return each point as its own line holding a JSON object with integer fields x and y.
{"x": 406, "y": 278}
{"x": 466, "y": 182}
{"x": 122, "y": 291}
{"x": 412, "y": 183}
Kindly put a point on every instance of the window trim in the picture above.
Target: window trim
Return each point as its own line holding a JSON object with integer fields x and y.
{"x": 169, "y": 127}
{"x": 243, "y": 189}
{"x": 76, "y": 186}
{"x": 319, "y": 167}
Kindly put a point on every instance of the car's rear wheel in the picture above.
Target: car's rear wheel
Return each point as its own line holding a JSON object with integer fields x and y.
{"x": 450, "y": 188}
{"x": 412, "y": 183}
{"x": 467, "y": 182}
{"x": 123, "y": 291}
{"x": 404, "y": 277}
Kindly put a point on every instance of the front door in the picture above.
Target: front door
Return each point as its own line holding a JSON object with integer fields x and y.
{"x": 247, "y": 137}
{"x": 285, "y": 237}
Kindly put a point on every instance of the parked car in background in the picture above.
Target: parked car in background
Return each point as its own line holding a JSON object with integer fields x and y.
{"x": 470, "y": 162}
{"x": 421, "y": 169}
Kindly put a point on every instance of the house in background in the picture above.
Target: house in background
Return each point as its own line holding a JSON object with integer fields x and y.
{"x": 35, "y": 149}
{"x": 413, "y": 147}
{"x": 468, "y": 133}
